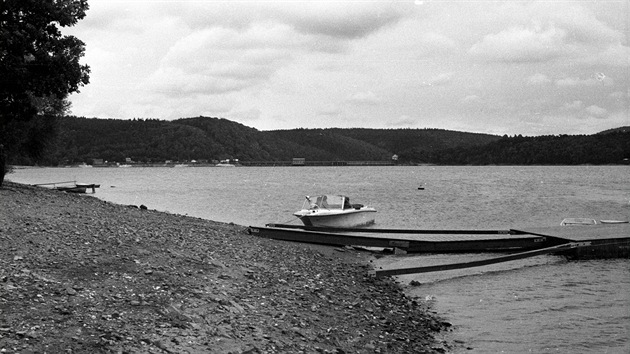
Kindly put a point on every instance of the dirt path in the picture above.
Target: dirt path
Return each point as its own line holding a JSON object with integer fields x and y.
{"x": 80, "y": 275}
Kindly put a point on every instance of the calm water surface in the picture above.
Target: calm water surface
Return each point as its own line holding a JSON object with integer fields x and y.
{"x": 544, "y": 304}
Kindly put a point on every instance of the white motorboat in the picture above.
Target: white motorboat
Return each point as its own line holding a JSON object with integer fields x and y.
{"x": 334, "y": 211}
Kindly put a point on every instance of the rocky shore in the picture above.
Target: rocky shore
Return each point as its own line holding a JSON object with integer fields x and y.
{"x": 80, "y": 275}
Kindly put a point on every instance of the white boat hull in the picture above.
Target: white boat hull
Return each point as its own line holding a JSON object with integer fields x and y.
{"x": 343, "y": 219}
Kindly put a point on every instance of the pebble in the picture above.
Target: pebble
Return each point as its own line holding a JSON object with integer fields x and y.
{"x": 212, "y": 288}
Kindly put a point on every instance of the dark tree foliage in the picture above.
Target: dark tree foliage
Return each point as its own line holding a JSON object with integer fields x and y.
{"x": 39, "y": 67}
{"x": 609, "y": 148}
{"x": 416, "y": 145}
{"x": 330, "y": 145}
{"x": 203, "y": 138}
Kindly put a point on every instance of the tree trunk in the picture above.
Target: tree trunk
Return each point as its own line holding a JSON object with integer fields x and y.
{"x": 3, "y": 164}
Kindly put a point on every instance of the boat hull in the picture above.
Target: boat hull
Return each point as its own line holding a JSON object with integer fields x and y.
{"x": 352, "y": 218}
{"x": 75, "y": 189}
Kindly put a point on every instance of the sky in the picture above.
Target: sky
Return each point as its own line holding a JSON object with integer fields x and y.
{"x": 498, "y": 67}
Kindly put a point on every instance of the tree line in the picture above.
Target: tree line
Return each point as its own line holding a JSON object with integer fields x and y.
{"x": 598, "y": 149}
{"x": 206, "y": 139}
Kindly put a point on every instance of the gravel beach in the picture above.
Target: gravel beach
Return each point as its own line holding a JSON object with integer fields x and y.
{"x": 81, "y": 275}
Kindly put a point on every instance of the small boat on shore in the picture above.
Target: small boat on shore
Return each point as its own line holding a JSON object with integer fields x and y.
{"x": 334, "y": 211}
{"x": 587, "y": 221}
{"x": 72, "y": 189}
{"x": 577, "y": 221}
{"x": 87, "y": 186}
{"x": 71, "y": 186}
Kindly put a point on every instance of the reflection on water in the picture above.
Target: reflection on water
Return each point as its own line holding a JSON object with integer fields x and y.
{"x": 537, "y": 305}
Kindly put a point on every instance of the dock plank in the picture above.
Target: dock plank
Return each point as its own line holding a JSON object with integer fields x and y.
{"x": 411, "y": 242}
{"x": 439, "y": 237}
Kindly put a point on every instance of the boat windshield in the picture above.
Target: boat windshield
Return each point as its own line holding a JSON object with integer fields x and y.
{"x": 326, "y": 202}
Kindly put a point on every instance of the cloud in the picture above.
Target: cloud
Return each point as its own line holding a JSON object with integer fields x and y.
{"x": 582, "y": 26}
{"x": 440, "y": 79}
{"x": 597, "y": 112}
{"x": 329, "y": 110}
{"x": 569, "y": 81}
{"x": 618, "y": 95}
{"x": 593, "y": 80}
{"x": 546, "y": 31}
{"x": 177, "y": 82}
{"x": 572, "y": 106}
{"x": 431, "y": 43}
{"x": 102, "y": 16}
{"x": 520, "y": 44}
{"x": 246, "y": 115}
{"x": 235, "y": 55}
{"x": 341, "y": 19}
{"x": 364, "y": 98}
{"x": 403, "y": 121}
{"x": 538, "y": 79}
{"x": 220, "y": 60}
{"x": 616, "y": 55}
{"x": 471, "y": 99}
{"x": 285, "y": 64}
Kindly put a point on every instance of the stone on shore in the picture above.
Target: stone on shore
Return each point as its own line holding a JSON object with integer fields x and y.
{"x": 81, "y": 275}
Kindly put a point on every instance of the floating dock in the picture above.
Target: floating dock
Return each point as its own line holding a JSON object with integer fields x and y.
{"x": 411, "y": 241}
{"x": 599, "y": 241}
{"x": 592, "y": 241}
{"x": 575, "y": 242}
{"x": 609, "y": 240}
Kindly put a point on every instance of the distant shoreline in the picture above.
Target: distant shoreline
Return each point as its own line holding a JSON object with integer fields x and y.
{"x": 23, "y": 167}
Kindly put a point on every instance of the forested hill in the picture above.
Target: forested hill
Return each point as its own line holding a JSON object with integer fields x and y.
{"x": 202, "y": 138}
{"x": 608, "y": 147}
{"x": 408, "y": 144}
{"x": 211, "y": 139}
{"x": 82, "y": 140}
{"x": 617, "y": 130}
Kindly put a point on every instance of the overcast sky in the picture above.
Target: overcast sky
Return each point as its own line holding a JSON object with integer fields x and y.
{"x": 500, "y": 67}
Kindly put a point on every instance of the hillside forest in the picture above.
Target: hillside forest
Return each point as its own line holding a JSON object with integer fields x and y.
{"x": 210, "y": 140}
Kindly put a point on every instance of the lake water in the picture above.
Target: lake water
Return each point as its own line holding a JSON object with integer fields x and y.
{"x": 543, "y": 304}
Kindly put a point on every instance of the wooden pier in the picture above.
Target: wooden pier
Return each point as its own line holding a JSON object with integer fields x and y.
{"x": 410, "y": 241}
{"x": 575, "y": 242}
{"x": 604, "y": 240}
